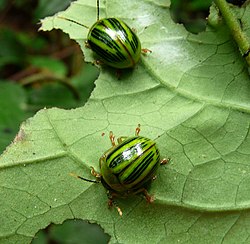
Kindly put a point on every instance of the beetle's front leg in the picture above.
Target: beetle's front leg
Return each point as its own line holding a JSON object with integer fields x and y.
{"x": 112, "y": 138}
{"x": 96, "y": 174}
{"x": 121, "y": 139}
{"x": 137, "y": 130}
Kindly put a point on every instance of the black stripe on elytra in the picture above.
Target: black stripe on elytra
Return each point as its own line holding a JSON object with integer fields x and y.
{"x": 116, "y": 160}
{"x": 158, "y": 154}
{"x": 117, "y": 56}
{"x": 119, "y": 157}
{"x": 102, "y": 53}
{"x": 134, "y": 42}
{"x": 104, "y": 38}
{"x": 140, "y": 168}
{"x": 118, "y": 27}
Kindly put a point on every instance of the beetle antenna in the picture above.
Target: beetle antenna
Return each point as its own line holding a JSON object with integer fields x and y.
{"x": 73, "y": 21}
{"x": 81, "y": 178}
{"x": 98, "y": 5}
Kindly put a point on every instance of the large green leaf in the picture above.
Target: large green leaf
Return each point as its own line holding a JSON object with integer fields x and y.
{"x": 191, "y": 95}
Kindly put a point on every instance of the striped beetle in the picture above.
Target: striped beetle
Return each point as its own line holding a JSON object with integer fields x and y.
{"x": 127, "y": 167}
{"x": 113, "y": 41}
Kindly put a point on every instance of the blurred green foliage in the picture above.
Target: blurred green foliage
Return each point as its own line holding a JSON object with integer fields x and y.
{"x": 48, "y": 68}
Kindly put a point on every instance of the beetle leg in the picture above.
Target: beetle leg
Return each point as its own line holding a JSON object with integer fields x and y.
{"x": 118, "y": 73}
{"x": 154, "y": 177}
{"x": 87, "y": 45}
{"x": 165, "y": 161}
{"x": 148, "y": 197}
{"x": 112, "y": 138}
{"x": 98, "y": 62}
{"x": 246, "y": 53}
{"x": 112, "y": 203}
{"x": 145, "y": 50}
{"x": 121, "y": 139}
{"x": 94, "y": 173}
{"x": 137, "y": 130}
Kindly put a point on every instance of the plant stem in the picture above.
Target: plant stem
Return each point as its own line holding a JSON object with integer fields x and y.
{"x": 41, "y": 77}
{"x": 234, "y": 27}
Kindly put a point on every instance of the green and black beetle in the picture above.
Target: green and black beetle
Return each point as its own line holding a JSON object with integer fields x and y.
{"x": 113, "y": 41}
{"x": 127, "y": 167}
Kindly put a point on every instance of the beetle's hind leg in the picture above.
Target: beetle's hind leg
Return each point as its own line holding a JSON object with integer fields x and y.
{"x": 149, "y": 198}
{"x": 163, "y": 162}
{"x": 145, "y": 50}
{"x": 112, "y": 203}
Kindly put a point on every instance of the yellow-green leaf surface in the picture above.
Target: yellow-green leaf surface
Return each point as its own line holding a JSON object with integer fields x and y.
{"x": 191, "y": 94}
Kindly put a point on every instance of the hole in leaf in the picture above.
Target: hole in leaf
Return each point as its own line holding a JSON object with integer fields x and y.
{"x": 191, "y": 13}
{"x": 72, "y": 231}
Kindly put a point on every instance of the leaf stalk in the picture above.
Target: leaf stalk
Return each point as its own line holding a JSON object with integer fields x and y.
{"x": 235, "y": 28}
